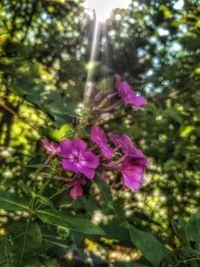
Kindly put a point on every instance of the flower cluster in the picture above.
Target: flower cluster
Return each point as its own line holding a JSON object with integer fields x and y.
{"x": 109, "y": 152}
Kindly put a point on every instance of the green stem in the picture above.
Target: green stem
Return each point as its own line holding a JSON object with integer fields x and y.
{"x": 58, "y": 193}
{"x": 41, "y": 190}
{"x": 24, "y": 241}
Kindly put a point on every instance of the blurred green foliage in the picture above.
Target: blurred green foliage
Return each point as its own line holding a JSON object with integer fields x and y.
{"x": 44, "y": 49}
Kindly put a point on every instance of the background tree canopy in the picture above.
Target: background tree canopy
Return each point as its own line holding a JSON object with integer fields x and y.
{"x": 154, "y": 44}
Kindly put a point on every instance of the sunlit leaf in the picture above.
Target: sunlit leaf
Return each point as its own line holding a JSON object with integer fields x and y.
{"x": 187, "y": 131}
{"x": 58, "y": 135}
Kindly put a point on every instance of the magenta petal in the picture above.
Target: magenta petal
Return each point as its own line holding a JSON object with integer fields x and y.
{"x": 126, "y": 144}
{"x": 107, "y": 151}
{"x": 131, "y": 183}
{"x": 66, "y": 147}
{"x": 79, "y": 145}
{"x": 124, "y": 141}
{"x": 98, "y": 135}
{"x": 91, "y": 160}
{"x": 88, "y": 172}
{"x": 114, "y": 139}
{"x": 143, "y": 162}
{"x": 137, "y": 155}
{"x": 137, "y": 173}
{"x": 128, "y": 90}
{"x": 133, "y": 176}
{"x": 58, "y": 150}
{"x": 76, "y": 191}
{"x": 138, "y": 101}
{"x": 69, "y": 165}
{"x": 46, "y": 144}
{"x": 51, "y": 147}
{"x": 128, "y": 95}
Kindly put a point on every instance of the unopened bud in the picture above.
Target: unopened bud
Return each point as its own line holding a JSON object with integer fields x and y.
{"x": 98, "y": 96}
{"x": 105, "y": 116}
{"x": 95, "y": 109}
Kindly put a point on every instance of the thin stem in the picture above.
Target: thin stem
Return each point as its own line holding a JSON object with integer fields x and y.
{"x": 3, "y": 105}
{"x": 24, "y": 241}
{"x": 32, "y": 202}
{"x": 58, "y": 193}
{"x": 94, "y": 147}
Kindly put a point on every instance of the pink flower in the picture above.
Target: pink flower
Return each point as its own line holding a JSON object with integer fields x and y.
{"x": 127, "y": 94}
{"x": 98, "y": 137}
{"x": 76, "y": 191}
{"x": 124, "y": 142}
{"x": 133, "y": 169}
{"x": 133, "y": 164}
{"x": 52, "y": 147}
{"x": 76, "y": 158}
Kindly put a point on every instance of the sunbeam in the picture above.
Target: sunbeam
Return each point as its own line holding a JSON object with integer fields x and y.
{"x": 103, "y": 8}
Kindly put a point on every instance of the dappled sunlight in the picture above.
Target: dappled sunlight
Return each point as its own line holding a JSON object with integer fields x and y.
{"x": 99, "y": 133}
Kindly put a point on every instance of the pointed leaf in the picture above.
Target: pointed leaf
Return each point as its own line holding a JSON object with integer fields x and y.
{"x": 10, "y": 201}
{"x": 180, "y": 230}
{"x": 38, "y": 166}
{"x": 152, "y": 249}
{"x": 73, "y": 223}
{"x": 105, "y": 191}
{"x": 193, "y": 228}
{"x": 26, "y": 236}
{"x": 59, "y": 134}
{"x": 182, "y": 257}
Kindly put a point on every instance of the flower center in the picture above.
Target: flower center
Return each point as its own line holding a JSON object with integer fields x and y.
{"x": 76, "y": 158}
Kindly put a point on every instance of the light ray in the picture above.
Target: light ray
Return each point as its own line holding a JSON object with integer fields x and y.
{"x": 93, "y": 54}
{"x": 103, "y": 8}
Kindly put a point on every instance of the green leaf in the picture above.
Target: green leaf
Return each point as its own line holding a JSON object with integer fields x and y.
{"x": 58, "y": 135}
{"x": 105, "y": 191}
{"x": 193, "y": 228}
{"x": 6, "y": 254}
{"x": 45, "y": 201}
{"x": 132, "y": 264}
{"x": 54, "y": 241}
{"x": 38, "y": 166}
{"x": 180, "y": 230}
{"x": 152, "y": 249}
{"x": 26, "y": 242}
{"x": 181, "y": 258}
{"x": 27, "y": 237}
{"x": 10, "y": 201}
{"x": 185, "y": 132}
{"x": 27, "y": 189}
{"x": 114, "y": 230}
{"x": 73, "y": 223}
